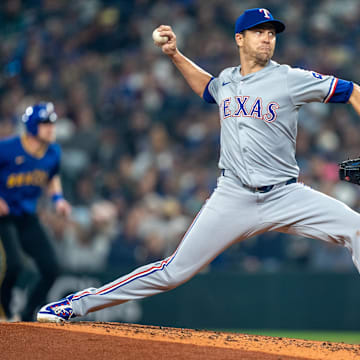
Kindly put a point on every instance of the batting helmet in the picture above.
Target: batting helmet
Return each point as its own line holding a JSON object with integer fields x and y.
{"x": 39, "y": 113}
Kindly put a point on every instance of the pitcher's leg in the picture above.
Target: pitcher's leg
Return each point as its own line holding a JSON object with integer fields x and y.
{"x": 310, "y": 213}
{"x": 219, "y": 224}
{"x": 204, "y": 240}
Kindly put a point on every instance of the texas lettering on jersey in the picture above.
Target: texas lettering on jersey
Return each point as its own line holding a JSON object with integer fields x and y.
{"x": 246, "y": 108}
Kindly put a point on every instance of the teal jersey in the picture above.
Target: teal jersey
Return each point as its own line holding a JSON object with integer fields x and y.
{"x": 24, "y": 176}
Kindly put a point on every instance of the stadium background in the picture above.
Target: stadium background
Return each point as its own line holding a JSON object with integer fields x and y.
{"x": 140, "y": 152}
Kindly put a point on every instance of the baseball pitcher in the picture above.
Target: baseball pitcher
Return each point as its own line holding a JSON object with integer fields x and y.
{"x": 257, "y": 190}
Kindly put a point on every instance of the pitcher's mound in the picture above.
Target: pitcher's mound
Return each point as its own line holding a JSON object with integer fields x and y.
{"x": 87, "y": 340}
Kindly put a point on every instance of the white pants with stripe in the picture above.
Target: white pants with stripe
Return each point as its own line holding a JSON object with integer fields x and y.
{"x": 232, "y": 213}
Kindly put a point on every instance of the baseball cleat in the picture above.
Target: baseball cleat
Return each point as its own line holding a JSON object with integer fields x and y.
{"x": 58, "y": 311}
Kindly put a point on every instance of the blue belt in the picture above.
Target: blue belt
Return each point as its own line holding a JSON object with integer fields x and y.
{"x": 261, "y": 189}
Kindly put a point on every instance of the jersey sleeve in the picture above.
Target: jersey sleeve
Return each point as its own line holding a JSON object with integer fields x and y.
{"x": 211, "y": 91}
{"x": 308, "y": 86}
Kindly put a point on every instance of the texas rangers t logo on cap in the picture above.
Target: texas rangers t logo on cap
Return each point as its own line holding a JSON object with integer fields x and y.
{"x": 253, "y": 17}
{"x": 266, "y": 13}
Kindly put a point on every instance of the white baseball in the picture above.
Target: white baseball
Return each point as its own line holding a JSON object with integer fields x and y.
{"x": 158, "y": 39}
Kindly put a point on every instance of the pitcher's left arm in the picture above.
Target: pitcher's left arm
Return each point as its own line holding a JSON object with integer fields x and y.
{"x": 354, "y": 99}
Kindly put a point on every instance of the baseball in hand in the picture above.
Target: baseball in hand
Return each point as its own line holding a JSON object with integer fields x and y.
{"x": 158, "y": 39}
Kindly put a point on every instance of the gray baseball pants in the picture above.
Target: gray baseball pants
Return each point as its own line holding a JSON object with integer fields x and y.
{"x": 233, "y": 213}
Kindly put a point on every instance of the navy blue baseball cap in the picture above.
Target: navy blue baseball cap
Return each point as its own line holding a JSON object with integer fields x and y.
{"x": 257, "y": 16}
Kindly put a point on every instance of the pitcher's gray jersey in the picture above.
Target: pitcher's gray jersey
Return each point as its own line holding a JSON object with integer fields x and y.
{"x": 259, "y": 114}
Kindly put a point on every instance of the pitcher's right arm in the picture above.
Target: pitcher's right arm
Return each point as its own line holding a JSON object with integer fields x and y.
{"x": 195, "y": 76}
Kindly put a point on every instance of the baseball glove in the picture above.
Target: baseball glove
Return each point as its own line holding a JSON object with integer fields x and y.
{"x": 349, "y": 170}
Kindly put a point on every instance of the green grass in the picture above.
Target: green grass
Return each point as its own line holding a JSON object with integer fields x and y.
{"x": 348, "y": 337}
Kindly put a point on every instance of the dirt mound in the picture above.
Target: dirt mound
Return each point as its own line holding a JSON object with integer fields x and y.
{"x": 84, "y": 340}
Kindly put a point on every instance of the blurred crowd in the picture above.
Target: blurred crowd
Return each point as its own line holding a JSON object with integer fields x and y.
{"x": 140, "y": 149}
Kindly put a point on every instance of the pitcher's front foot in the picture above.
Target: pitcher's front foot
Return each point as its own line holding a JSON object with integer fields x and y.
{"x": 58, "y": 311}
